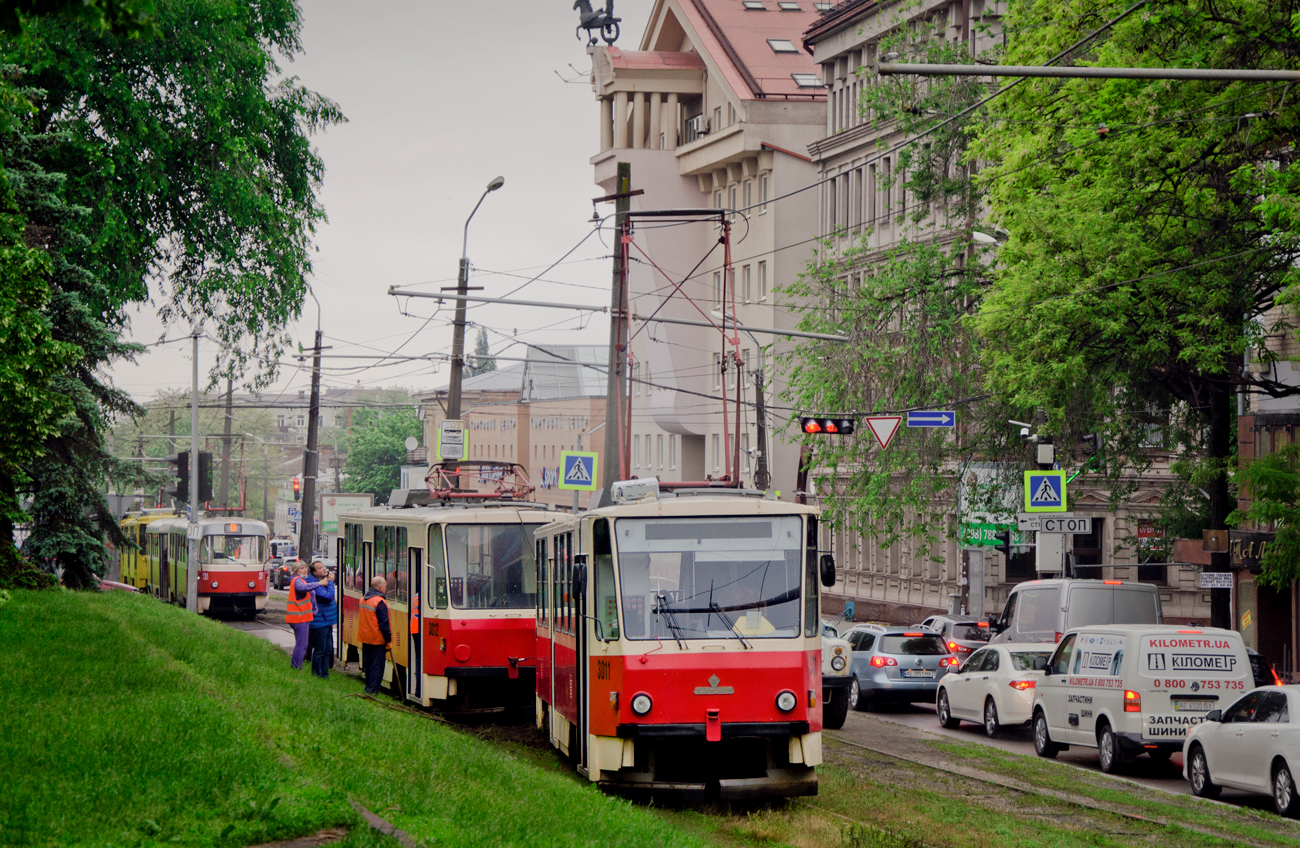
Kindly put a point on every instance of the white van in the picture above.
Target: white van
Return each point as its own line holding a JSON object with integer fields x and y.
{"x": 1127, "y": 690}
{"x": 1041, "y": 610}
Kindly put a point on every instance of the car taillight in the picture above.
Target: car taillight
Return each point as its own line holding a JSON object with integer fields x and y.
{"x": 1021, "y": 685}
{"x": 1057, "y": 636}
{"x": 1277, "y": 681}
{"x": 952, "y": 661}
{"x": 958, "y": 649}
{"x": 1132, "y": 701}
{"x": 881, "y": 662}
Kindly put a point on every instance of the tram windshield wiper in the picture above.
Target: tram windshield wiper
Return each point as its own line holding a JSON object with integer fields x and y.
{"x": 726, "y": 619}
{"x": 662, "y": 607}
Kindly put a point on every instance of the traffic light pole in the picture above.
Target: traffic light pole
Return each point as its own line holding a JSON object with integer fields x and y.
{"x": 192, "y": 531}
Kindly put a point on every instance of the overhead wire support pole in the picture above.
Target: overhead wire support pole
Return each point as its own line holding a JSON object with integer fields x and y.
{"x": 458, "y": 326}
{"x": 192, "y": 530}
{"x": 615, "y": 378}
{"x": 1074, "y": 72}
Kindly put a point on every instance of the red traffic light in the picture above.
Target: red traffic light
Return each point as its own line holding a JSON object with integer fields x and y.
{"x": 840, "y": 425}
{"x": 297, "y": 489}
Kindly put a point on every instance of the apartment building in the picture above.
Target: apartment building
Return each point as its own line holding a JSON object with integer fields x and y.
{"x": 715, "y": 109}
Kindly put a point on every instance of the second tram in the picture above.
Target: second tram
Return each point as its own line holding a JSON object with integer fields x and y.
{"x": 679, "y": 643}
{"x": 467, "y": 572}
{"x": 133, "y": 556}
{"x": 231, "y": 566}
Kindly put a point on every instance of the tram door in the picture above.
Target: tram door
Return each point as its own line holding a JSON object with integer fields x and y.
{"x": 414, "y": 663}
{"x": 580, "y": 651}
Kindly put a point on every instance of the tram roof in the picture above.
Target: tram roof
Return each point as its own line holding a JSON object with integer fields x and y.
{"x": 491, "y": 512}
{"x": 695, "y": 505}
{"x": 248, "y": 526}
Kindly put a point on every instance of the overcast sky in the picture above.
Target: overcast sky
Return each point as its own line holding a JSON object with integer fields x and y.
{"x": 440, "y": 98}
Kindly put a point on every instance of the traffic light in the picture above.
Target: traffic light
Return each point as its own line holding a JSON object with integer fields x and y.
{"x": 839, "y": 425}
{"x": 297, "y": 488}
{"x": 1091, "y": 444}
{"x": 205, "y": 477}
{"x": 1003, "y": 539}
{"x": 180, "y": 488}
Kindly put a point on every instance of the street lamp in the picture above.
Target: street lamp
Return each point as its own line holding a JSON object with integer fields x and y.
{"x": 458, "y": 328}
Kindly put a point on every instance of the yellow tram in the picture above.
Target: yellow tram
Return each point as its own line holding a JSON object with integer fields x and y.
{"x": 134, "y": 562}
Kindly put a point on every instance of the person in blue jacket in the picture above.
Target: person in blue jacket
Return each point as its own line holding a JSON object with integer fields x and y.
{"x": 322, "y": 624}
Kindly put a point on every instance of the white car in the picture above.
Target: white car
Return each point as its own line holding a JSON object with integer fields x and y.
{"x": 1252, "y": 745}
{"x": 994, "y": 687}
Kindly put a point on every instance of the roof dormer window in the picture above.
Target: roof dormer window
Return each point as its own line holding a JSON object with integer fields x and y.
{"x": 754, "y": 5}
{"x": 807, "y": 80}
{"x": 782, "y": 45}
{"x": 789, "y": 6}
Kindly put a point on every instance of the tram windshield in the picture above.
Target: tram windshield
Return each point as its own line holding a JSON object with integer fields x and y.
{"x": 715, "y": 577}
{"x": 491, "y": 566}
{"x": 245, "y": 550}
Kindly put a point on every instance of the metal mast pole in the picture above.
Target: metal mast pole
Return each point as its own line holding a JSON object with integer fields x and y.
{"x": 458, "y": 326}
{"x": 616, "y": 377}
{"x": 192, "y": 532}
{"x": 307, "y": 529}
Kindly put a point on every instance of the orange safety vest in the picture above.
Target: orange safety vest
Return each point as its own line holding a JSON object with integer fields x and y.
{"x": 368, "y": 624}
{"x": 299, "y": 609}
{"x": 415, "y": 615}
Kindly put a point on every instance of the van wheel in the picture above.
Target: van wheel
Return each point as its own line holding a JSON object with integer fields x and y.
{"x": 1043, "y": 744}
{"x": 945, "y": 712}
{"x": 1112, "y": 758}
{"x": 835, "y": 709}
{"x": 991, "y": 725}
{"x": 1198, "y": 774}
{"x": 1284, "y": 792}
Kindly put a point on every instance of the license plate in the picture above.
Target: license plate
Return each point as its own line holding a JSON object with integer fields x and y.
{"x": 918, "y": 672}
{"x": 1187, "y": 705}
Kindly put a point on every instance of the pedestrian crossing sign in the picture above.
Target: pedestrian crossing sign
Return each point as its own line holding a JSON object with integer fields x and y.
{"x": 1045, "y": 491}
{"x": 578, "y": 471}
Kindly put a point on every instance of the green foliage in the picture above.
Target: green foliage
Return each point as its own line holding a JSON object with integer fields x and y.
{"x": 1272, "y": 483}
{"x": 481, "y": 361}
{"x": 377, "y": 450}
{"x": 1141, "y": 263}
{"x": 126, "y": 17}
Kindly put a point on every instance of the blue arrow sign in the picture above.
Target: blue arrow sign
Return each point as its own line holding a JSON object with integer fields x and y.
{"x": 932, "y": 418}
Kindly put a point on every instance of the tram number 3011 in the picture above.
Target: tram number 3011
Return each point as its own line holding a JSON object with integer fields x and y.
{"x": 603, "y": 670}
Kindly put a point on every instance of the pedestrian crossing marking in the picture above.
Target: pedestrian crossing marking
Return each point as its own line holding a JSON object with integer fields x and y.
{"x": 577, "y": 473}
{"x": 1046, "y": 492}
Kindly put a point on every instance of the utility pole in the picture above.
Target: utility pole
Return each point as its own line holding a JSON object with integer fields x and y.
{"x": 192, "y": 532}
{"x": 310, "y": 462}
{"x": 616, "y": 378}
{"x": 762, "y": 479}
{"x": 224, "y": 495}
{"x": 458, "y": 326}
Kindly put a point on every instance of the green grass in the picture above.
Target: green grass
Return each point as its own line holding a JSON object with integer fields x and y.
{"x": 126, "y": 722}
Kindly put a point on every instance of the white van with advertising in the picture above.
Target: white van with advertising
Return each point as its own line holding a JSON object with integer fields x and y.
{"x": 1135, "y": 689}
{"x": 1041, "y": 610}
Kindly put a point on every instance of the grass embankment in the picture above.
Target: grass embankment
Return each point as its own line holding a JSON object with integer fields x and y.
{"x": 126, "y": 722}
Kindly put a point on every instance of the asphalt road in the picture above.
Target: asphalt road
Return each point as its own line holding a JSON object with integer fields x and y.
{"x": 1165, "y": 777}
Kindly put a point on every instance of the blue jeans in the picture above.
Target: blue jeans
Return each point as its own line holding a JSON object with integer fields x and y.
{"x": 322, "y": 650}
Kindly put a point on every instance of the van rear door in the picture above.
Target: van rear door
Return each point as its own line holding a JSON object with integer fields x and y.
{"x": 1111, "y": 603}
{"x": 1184, "y": 675}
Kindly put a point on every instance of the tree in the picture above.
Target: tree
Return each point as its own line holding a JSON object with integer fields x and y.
{"x": 1273, "y": 484}
{"x": 481, "y": 361}
{"x": 904, "y": 307}
{"x": 174, "y": 169}
{"x": 1141, "y": 262}
{"x": 377, "y": 450}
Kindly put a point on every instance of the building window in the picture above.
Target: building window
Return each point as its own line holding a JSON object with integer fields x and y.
{"x": 731, "y": 195}
{"x": 788, "y": 6}
{"x": 748, "y": 290}
{"x": 782, "y": 45}
{"x": 636, "y": 451}
{"x": 659, "y": 452}
{"x": 762, "y": 280}
{"x": 744, "y": 451}
{"x": 749, "y": 193}
{"x": 717, "y": 199}
{"x": 717, "y": 371}
{"x": 762, "y": 192}
{"x": 731, "y": 114}
{"x": 636, "y": 381}
{"x": 717, "y": 288}
{"x": 717, "y": 453}
{"x": 672, "y": 452}
{"x": 754, "y": 5}
{"x": 717, "y": 118}
{"x": 807, "y": 80}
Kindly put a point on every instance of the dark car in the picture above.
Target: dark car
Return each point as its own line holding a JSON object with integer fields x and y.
{"x": 963, "y": 636}
{"x": 280, "y": 572}
{"x": 1261, "y": 670}
{"x": 896, "y": 665}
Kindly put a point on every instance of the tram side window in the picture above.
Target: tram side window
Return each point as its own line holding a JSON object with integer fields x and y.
{"x": 603, "y": 580}
{"x": 438, "y": 566}
{"x": 400, "y": 586}
{"x": 810, "y": 616}
{"x": 570, "y": 606}
{"x": 543, "y": 586}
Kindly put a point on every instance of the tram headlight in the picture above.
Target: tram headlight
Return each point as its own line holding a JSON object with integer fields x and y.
{"x": 641, "y": 703}
{"x": 214, "y": 584}
{"x": 253, "y": 585}
{"x": 786, "y": 701}
{"x": 837, "y": 663}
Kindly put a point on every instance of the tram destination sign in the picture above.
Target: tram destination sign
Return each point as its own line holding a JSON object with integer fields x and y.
{"x": 1060, "y": 523}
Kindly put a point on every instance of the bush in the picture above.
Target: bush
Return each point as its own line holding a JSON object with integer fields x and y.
{"x": 18, "y": 573}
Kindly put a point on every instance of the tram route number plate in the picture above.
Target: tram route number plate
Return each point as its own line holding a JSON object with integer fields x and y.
{"x": 193, "y": 532}
{"x": 918, "y": 672}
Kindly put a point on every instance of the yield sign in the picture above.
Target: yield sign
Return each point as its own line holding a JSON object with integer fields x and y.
{"x": 883, "y": 427}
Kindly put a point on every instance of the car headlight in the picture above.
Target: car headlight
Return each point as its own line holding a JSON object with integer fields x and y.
{"x": 786, "y": 701}
{"x": 837, "y": 663}
{"x": 641, "y": 703}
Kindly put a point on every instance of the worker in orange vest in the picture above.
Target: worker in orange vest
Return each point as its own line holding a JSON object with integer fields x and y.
{"x": 375, "y": 634}
{"x": 300, "y": 612}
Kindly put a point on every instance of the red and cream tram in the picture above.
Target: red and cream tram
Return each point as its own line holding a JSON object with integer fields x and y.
{"x": 679, "y": 644}
{"x": 468, "y": 570}
{"x": 232, "y": 563}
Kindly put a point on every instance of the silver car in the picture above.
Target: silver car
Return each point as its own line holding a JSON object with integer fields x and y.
{"x": 897, "y": 665}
